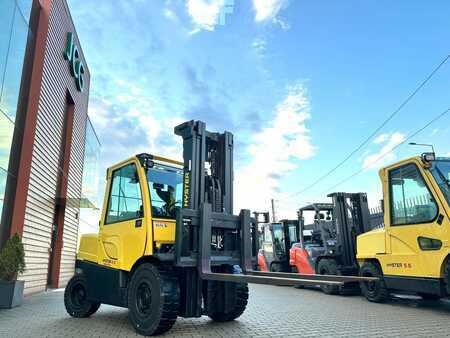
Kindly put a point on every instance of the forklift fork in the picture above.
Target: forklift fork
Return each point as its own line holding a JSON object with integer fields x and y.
{"x": 202, "y": 223}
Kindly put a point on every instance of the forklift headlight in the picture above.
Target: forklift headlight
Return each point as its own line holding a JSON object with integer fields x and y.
{"x": 331, "y": 242}
{"x": 426, "y": 243}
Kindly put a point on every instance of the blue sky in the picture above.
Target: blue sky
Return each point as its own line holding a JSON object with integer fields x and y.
{"x": 299, "y": 83}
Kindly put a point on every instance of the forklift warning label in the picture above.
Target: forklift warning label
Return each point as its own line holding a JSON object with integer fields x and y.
{"x": 399, "y": 265}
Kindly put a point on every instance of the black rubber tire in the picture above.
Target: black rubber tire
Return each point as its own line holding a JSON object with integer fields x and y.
{"x": 294, "y": 270}
{"x": 328, "y": 267}
{"x": 75, "y": 298}
{"x": 275, "y": 267}
{"x": 214, "y": 298}
{"x": 153, "y": 299}
{"x": 377, "y": 291}
{"x": 427, "y": 296}
{"x": 447, "y": 277}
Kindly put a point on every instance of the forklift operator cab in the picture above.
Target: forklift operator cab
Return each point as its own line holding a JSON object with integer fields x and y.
{"x": 412, "y": 251}
{"x": 277, "y": 240}
{"x": 136, "y": 194}
{"x": 316, "y": 227}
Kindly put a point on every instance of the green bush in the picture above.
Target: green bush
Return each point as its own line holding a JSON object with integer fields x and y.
{"x": 12, "y": 259}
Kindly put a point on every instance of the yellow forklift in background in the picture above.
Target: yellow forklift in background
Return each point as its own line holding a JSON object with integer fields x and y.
{"x": 169, "y": 244}
{"x": 411, "y": 253}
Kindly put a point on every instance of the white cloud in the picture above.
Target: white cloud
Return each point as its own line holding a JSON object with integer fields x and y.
{"x": 139, "y": 113}
{"x": 274, "y": 151}
{"x": 268, "y": 10}
{"x": 283, "y": 24}
{"x": 434, "y": 131}
{"x": 381, "y": 138}
{"x": 170, "y": 14}
{"x": 204, "y": 13}
{"x": 259, "y": 46}
{"x": 385, "y": 154}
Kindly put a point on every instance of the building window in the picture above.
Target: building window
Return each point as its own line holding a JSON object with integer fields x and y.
{"x": 125, "y": 200}
{"x": 411, "y": 201}
{"x": 3, "y": 177}
{"x": 7, "y": 9}
{"x": 6, "y": 133}
{"x": 91, "y": 192}
{"x": 14, "y": 34}
{"x": 13, "y": 43}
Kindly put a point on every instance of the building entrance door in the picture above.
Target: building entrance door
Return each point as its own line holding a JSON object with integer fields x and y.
{"x": 56, "y": 243}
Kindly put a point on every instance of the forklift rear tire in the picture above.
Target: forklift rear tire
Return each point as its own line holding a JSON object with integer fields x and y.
{"x": 153, "y": 300}
{"x": 215, "y": 300}
{"x": 377, "y": 291}
{"x": 75, "y": 298}
{"x": 328, "y": 267}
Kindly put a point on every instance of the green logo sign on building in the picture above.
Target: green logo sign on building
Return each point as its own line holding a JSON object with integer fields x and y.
{"x": 72, "y": 55}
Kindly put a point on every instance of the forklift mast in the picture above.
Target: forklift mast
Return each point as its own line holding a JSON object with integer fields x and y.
{"x": 208, "y": 238}
{"x": 208, "y": 167}
{"x": 261, "y": 217}
{"x": 291, "y": 229}
{"x": 207, "y": 206}
{"x": 351, "y": 218}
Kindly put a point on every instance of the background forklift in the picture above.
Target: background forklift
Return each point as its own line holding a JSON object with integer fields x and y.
{"x": 169, "y": 244}
{"x": 328, "y": 245}
{"x": 276, "y": 241}
{"x": 303, "y": 254}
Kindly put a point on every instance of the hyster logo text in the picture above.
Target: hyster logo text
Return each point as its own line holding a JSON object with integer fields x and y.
{"x": 72, "y": 55}
{"x": 186, "y": 189}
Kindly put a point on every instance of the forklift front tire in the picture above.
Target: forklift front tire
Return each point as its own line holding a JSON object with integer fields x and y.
{"x": 377, "y": 291}
{"x": 447, "y": 277}
{"x": 153, "y": 300}
{"x": 75, "y": 298}
{"x": 275, "y": 267}
{"x": 328, "y": 267}
{"x": 215, "y": 300}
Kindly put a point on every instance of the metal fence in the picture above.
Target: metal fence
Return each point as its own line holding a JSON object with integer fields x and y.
{"x": 376, "y": 218}
{"x": 408, "y": 207}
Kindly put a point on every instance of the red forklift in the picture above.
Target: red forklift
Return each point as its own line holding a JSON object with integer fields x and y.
{"x": 276, "y": 239}
{"x": 327, "y": 245}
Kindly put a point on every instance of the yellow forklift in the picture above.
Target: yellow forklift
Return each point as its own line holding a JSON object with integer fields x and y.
{"x": 411, "y": 253}
{"x": 169, "y": 244}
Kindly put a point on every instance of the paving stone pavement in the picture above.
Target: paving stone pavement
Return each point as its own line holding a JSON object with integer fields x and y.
{"x": 272, "y": 312}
